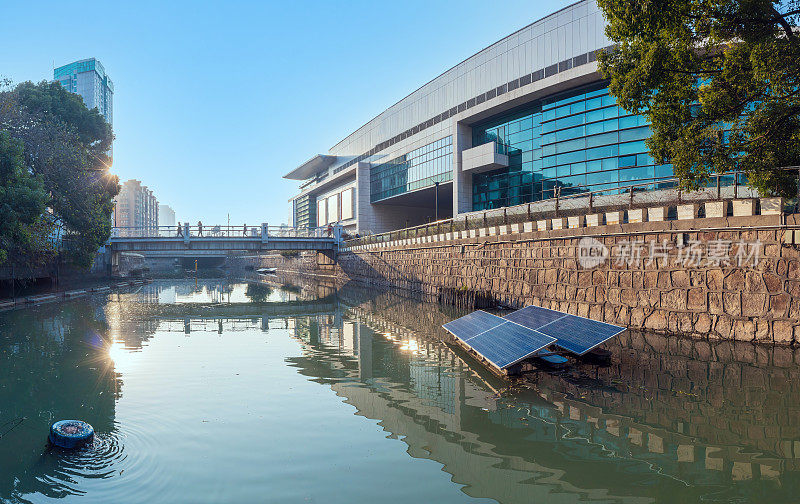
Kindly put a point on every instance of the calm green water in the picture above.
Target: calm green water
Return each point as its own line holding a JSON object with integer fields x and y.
{"x": 200, "y": 394}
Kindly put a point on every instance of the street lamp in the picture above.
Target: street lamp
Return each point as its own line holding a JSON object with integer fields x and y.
{"x": 436, "y": 211}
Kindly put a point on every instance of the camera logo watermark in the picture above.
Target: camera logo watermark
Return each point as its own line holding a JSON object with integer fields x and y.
{"x": 591, "y": 253}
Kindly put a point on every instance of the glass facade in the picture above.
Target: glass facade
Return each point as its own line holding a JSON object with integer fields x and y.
{"x": 419, "y": 168}
{"x": 578, "y": 141}
{"x": 305, "y": 215}
{"x": 88, "y": 78}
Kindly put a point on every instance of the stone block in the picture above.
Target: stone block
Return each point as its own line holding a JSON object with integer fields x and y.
{"x": 515, "y": 228}
{"x": 576, "y": 221}
{"x": 637, "y": 215}
{"x": 657, "y": 214}
{"x": 594, "y": 220}
{"x": 687, "y": 211}
{"x": 614, "y": 217}
{"x": 771, "y": 206}
{"x": 543, "y": 225}
{"x": 528, "y": 227}
{"x": 503, "y": 230}
{"x": 744, "y": 207}
{"x": 685, "y": 453}
{"x": 558, "y": 223}
{"x": 715, "y": 209}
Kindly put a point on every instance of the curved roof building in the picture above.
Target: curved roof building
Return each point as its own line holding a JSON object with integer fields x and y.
{"x": 509, "y": 125}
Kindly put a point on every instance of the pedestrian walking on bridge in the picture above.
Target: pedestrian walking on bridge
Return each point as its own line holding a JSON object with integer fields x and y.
{"x": 199, "y": 228}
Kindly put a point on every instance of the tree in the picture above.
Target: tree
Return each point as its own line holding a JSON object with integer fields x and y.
{"x": 718, "y": 79}
{"x": 66, "y": 146}
{"x": 22, "y": 200}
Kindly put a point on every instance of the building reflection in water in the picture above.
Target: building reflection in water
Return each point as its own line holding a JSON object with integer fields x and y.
{"x": 670, "y": 419}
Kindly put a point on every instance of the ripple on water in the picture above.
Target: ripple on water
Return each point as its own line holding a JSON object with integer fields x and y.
{"x": 106, "y": 458}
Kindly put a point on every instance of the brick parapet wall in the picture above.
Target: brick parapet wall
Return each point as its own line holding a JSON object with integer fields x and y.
{"x": 542, "y": 268}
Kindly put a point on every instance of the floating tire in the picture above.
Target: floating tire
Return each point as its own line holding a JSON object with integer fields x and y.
{"x": 71, "y": 433}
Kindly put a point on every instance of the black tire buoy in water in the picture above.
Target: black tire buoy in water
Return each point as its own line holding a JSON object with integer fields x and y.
{"x": 71, "y": 433}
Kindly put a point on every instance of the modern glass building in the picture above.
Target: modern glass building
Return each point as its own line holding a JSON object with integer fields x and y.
{"x": 88, "y": 78}
{"x": 522, "y": 120}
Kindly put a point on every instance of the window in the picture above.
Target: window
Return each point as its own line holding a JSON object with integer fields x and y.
{"x": 322, "y": 214}
{"x": 347, "y": 204}
{"x": 333, "y": 208}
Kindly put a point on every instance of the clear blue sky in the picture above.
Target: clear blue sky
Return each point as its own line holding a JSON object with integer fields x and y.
{"x": 215, "y": 101}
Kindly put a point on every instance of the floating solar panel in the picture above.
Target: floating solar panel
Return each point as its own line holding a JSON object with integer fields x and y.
{"x": 473, "y": 324}
{"x": 575, "y": 334}
{"x": 494, "y": 338}
{"x": 534, "y": 317}
{"x": 578, "y": 334}
{"x": 508, "y": 344}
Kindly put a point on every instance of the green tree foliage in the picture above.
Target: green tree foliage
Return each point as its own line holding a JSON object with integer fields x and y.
{"x": 258, "y": 293}
{"x": 718, "y": 79}
{"x": 65, "y": 145}
{"x": 22, "y": 200}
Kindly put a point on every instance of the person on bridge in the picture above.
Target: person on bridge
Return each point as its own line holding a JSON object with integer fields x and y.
{"x": 199, "y": 228}
{"x": 180, "y": 230}
{"x": 330, "y": 229}
{"x": 244, "y": 230}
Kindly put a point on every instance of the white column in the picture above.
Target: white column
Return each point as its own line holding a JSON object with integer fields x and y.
{"x": 462, "y": 181}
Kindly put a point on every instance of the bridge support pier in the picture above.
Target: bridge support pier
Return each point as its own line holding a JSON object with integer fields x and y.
{"x": 114, "y": 263}
{"x": 326, "y": 259}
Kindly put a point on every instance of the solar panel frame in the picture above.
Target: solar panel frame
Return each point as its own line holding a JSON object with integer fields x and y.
{"x": 470, "y": 323}
{"x": 495, "y": 336}
{"x": 565, "y": 342}
{"x": 534, "y": 317}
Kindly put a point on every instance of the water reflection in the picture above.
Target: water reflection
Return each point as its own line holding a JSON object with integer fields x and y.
{"x": 53, "y": 365}
{"x": 669, "y": 420}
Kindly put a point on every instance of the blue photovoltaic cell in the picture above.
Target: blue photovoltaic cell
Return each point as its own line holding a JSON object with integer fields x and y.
{"x": 473, "y": 324}
{"x": 579, "y": 335}
{"x": 575, "y": 334}
{"x": 509, "y": 343}
{"x": 534, "y": 317}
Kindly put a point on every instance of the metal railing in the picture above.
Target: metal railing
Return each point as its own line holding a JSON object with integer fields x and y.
{"x": 220, "y": 231}
{"x": 661, "y": 192}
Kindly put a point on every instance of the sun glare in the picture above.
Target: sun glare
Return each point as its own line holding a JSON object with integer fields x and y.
{"x": 122, "y": 358}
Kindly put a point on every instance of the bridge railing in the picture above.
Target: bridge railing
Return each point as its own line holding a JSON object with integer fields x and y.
{"x": 221, "y": 231}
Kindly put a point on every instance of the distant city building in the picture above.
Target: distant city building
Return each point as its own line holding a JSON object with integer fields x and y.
{"x": 166, "y": 217}
{"x": 136, "y": 210}
{"x": 88, "y": 78}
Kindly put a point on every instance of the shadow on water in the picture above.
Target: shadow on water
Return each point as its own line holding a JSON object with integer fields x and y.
{"x": 669, "y": 420}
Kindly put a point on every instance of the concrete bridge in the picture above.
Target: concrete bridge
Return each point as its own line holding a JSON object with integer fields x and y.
{"x": 217, "y": 242}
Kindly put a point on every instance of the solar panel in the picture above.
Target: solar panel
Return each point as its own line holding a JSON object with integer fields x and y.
{"x": 508, "y": 344}
{"x": 579, "y": 335}
{"x": 534, "y": 317}
{"x": 473, "y": 324}
{"x": 575, "y": 334}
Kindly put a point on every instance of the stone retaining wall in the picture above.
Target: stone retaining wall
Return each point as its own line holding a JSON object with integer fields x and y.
{"x": 744, "y": 303}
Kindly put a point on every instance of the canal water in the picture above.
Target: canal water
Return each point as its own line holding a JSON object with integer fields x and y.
{"x": 226, "y": 392}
